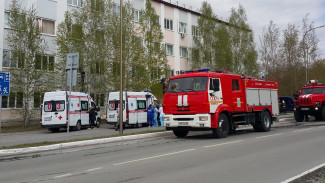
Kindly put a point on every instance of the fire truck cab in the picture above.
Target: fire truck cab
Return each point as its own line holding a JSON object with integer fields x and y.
{"x": 202, "y": 100}
{"x": 311, "y": 101}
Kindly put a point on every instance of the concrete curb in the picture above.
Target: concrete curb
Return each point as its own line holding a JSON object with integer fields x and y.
{"x": 79, "y": 143}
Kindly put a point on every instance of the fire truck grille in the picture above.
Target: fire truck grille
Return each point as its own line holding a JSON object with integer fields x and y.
{"x": 183, "y": 119}
{"x": 305, "y": 101}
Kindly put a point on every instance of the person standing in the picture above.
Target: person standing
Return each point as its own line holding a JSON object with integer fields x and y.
{"x": 161, "y": 115}
{"x": 150, "y": 112}
{"x": 92, "y": 117}
{"x": 155, "y": 115}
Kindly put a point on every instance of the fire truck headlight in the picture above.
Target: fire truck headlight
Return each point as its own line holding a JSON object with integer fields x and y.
{"x": 166, "y": 118}
{"x": 203, "y": 118}
{"x": 316, "y": 108}
{"x": 317, "y": 103}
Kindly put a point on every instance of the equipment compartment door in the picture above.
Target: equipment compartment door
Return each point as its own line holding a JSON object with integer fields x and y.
{"x": 237, "y": 95}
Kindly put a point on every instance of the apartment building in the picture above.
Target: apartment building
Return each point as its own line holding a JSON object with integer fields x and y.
{"x": 178, "y": 23}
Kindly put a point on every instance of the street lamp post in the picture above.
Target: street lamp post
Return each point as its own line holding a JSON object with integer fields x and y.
{"x": 121, "y": 69}
{"x": 304, "y": 44}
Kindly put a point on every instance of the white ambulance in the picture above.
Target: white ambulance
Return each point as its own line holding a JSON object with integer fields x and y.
{"x": 55, "y": 110}
{"x": 135, "y": 106}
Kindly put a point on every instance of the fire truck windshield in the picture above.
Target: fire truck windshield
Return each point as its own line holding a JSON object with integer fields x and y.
{"x": 313, "y": 90}
{"x": 187, "y": 84}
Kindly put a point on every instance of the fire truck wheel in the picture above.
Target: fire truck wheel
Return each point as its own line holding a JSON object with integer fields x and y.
{"x": 139, "y": 125}
{"x": 323, "y": 113}
{"x": 180, "y": 133}
{"x": 265, "y": 124}
{"x": 299, "y": 117}
{"x": 223, "y": 129}
{"x": 78, "y": 126}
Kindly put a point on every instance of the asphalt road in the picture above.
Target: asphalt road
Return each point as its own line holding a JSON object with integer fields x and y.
{"x": 246, "y": 156}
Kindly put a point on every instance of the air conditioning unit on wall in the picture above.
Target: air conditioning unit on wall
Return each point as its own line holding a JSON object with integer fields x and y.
{"x": 182, "y": 35}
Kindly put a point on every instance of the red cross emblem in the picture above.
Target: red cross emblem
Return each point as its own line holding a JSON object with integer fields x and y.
{"x": 60, "y": 117}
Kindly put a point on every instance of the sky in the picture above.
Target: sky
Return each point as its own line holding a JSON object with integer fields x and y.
{"x": 261, "y": 12}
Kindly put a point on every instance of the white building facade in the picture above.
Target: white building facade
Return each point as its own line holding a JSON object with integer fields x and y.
{"x": 178, "y": 24}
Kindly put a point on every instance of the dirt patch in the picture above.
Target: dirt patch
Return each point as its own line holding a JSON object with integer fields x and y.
{"x": 10, "y": 127}
{"x": 317, "y": 176}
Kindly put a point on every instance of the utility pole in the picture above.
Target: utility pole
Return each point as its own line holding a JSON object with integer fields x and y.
{"x": 121, "y": 68}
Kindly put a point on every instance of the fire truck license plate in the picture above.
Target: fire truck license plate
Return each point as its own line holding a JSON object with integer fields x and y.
{"x": 305, "y": 109}
{"x": 111, "y": 116}
{"x": 183, "y": 123}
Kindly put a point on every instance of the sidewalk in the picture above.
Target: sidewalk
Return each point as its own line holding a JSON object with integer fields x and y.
{"x": 10, "y": 139}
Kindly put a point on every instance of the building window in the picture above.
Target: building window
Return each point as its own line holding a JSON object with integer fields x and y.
{"x": 183, "y": 52}
{"x": 38, "y": 99}
{"x": 4, "y": 101}
{"x": 169, "y": 49}
{"x": 182, "y": 27}
{"x": 75, "y": 3}
{"x": 44, "y": 62}
{"x": 15, "y": 100}
{"x": 46, "y": 26}
{"x": 7, "y": 14}
{"x": 168, "y": 24}
{"x": 15, "y": 60}
{"x": 195, "y": 30}
{"x": 137, "y": 15}
{"x": 116, "y": 8}
{"x": 6, "y": 58}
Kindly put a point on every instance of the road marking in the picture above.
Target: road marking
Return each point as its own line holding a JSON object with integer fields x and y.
{"x": 223, "y": 143}
{"x": 302, "y": 130}
{"x": 93, "y": 169}
{"x": 152, "y": 157}
{"x": 64, "y": 175}
{"x": 304, "y": 173}
{"x": 269, "y": 135}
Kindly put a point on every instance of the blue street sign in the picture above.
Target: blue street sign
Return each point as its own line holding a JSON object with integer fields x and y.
{"x": 4, "y": 83}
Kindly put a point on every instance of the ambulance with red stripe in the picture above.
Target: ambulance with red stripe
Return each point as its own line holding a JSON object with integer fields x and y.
{"x": 135, "y": 106}
{"x": 218, "y": 101}
{"x": 55, "y": 110}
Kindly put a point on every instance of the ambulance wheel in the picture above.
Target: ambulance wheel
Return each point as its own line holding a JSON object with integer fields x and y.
{"x": 265, "y": 124}
{"x": 98, "y": 123}
{"x": 180, "y": 133}
{"x": 54, "y": 130}
{"x": 139, "y": 125}
{"x": 78, "y": 126}
{"x": 223, "y": 130}
{"x": 299, "y": 117}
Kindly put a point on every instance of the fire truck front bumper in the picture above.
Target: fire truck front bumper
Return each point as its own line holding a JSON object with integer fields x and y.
{"x": 195, "y": 121}
{"x": 311, "y": 110}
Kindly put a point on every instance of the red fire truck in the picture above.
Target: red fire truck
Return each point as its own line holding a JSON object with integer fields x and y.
{"x": 219, "y": 101}
{"x": 311, "y": 101}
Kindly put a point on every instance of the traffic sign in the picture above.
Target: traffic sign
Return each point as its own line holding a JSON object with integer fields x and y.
{"x": 72, "y": 58}
{"x": 4, "y": 83}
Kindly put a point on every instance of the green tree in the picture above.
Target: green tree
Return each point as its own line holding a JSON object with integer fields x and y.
{"x": 222, "y": 48}
{"x": 155, "y": 60}
{"x": 27, "y": 45}
{"x": 242, "y": 41}
{"x": 203, "y": 50}
{"x": 270, "y": 51}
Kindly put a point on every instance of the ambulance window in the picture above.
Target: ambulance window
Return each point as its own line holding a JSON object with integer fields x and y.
{"x": 141, "y": 104}
{"x": 84, "y": 105}
{"x": 235, "y": 85}
{"x": 52, "y": 106}
{"x": 113, "y": 105}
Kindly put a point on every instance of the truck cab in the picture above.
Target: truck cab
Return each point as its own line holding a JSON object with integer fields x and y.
{"x": 311, "y": 102}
